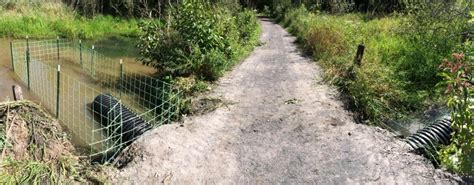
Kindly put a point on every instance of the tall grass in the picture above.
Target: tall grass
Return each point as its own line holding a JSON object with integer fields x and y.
{"x": 398, "y": 74}
{"x": 375, "y": 90}
{"x": 48, "y": 20}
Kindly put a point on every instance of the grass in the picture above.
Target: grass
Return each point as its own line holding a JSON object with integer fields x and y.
{"x": 48, "y": 20}
{"x": 376, "y": 89}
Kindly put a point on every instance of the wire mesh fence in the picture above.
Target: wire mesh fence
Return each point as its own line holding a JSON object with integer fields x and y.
{"x": 103, "y": 105}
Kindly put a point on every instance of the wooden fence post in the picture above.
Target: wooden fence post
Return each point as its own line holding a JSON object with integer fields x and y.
{"x": 359, "y": 55}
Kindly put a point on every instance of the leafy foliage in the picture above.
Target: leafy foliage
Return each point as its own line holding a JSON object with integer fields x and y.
{"x": 431, "y": 31}
{"x": 279, "y": 7}
{"x": 132, "y": 8}
{"x": 457, "y": 74}
{"x": 198, "y": 39}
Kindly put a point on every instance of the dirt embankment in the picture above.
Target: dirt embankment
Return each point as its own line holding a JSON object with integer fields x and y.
{"x": 35, "y": 149}
{"x": 284, "y": 125}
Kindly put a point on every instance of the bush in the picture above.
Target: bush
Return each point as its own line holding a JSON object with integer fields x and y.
{"x": 279, "y": 7}
{"x": 459, "y": 156}
{"x": 248, "y": 27}
{"x": 199, "y": 39}
{"x": 431, "y": 32}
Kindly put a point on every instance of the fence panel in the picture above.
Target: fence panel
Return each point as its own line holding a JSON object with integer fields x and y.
{"x": 70, "y": 93}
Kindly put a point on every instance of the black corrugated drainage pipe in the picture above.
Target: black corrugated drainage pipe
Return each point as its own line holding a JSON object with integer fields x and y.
{"x": 428, "y": 137}
{"x": 108, "y": 109}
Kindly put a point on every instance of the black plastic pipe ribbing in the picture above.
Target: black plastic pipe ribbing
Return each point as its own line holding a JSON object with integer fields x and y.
{"x": 111, "y": 113}
{"x": 437, "y": 133}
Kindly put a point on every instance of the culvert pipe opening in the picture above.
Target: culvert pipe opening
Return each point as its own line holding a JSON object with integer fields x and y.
{"x": 119, "y": 122}
{"x": 428, "y": 137}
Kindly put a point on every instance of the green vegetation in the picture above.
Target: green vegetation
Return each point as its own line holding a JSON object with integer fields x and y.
{"x": 472, "y": 17}
{"x": 199, "y": 39}
{"x": 400, "y": 67}
{"x": 376, "y": 89}
{"x": 459, "y": 156}
{"x": 370, "y": 6}
{"x": 48, "y": 20}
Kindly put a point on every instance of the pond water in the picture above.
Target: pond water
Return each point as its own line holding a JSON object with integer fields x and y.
{"x": 8, "y": 78}
{"x": 118, "y": 47}
{"x": 115, "y": 47}
{"x": 74, "y": 113}
{"x": 409, "y": 126}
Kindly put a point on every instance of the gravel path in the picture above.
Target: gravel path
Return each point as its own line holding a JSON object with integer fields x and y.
{"x": 284, "y": 126}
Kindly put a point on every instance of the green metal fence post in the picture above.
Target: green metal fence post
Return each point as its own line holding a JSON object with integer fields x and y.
{"x": 169, "y": 103}
{"x": 162, "y": 114}
{"x": 57, "y": 45}
{"x": 120, "y": 125}
{"x": 121, "y": 79}
{"x": 178, "y": 108}
{"x": 28, "y": 62}
{"x": 92, "y": 60}
{"x": 11, "y": 52}
{"x": 58, "y": 77}
{"x": 80, "y": 52}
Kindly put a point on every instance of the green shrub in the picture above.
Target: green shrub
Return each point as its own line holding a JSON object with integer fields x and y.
{"x": 431, "y": 32}
{"x": 199, "y": 39}
{"x": 459, "y": 156}
{"x": 279, "y": 7}
{"x": 247, "y": 25}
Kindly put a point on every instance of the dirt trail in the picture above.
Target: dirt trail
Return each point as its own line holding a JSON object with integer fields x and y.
{"x": 285, "y": 126}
